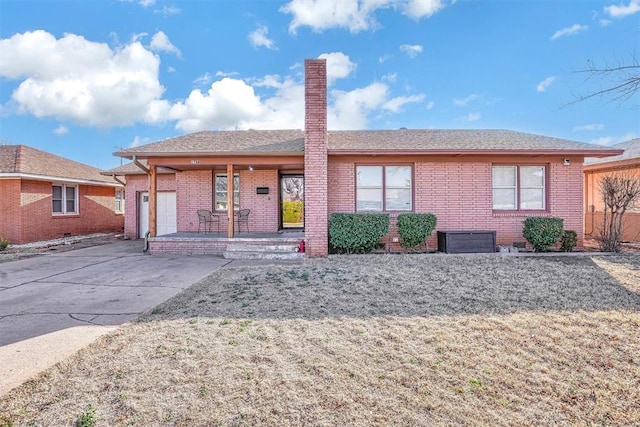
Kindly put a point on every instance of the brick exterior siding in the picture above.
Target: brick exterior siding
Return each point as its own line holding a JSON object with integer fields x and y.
{"x": 459, "y": 193}
{"x": 27, "y": 216}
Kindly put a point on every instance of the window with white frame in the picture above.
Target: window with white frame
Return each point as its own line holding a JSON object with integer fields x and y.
{"x": 221, "y": 200}
{"x": 384, "y": 188}
{"x": 64, "y": 199}
{"x": 119, "y": 202}
{"x": 518, "y": 187}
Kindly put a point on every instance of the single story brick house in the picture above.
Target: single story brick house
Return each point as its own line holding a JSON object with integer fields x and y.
{"x": 594, "y": 169}
{"x": 44, "y": 196}
{"x": 470, "y": 179}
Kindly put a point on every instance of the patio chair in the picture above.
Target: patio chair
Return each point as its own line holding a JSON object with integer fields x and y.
{"x": 243, "y": 217}
{"x": 206, "y": 217}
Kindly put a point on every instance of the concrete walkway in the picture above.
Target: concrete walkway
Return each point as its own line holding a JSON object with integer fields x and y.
{"x": 54, "y": 304}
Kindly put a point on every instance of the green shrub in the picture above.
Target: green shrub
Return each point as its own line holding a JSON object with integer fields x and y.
{"x": 357, "y": 232}
{"x": 414, "y": 228}
{"x": 569, "y": 240}
{"x": 542, "y": 232}
{"x": 3, "y": 243}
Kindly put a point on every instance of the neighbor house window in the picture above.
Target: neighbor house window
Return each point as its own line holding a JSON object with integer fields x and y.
{"x": 64, "y": 199}
{"x": 384, "y": 188}
{"x": 519, "y": 187}
{"x": 119, "y": 207}
{"x": 221, "y": 192}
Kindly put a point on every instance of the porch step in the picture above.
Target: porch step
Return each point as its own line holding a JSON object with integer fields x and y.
{"x": 259, "y": 250}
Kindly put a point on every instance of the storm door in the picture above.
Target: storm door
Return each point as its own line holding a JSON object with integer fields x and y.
{"x": 292, "y": 201}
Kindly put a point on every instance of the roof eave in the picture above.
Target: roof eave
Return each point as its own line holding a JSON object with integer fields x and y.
{"x": 146, "y": 155}
{"x": 448, "y": 152}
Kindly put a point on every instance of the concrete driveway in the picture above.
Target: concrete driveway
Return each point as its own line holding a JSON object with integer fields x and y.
{"x": 53, "y": 304}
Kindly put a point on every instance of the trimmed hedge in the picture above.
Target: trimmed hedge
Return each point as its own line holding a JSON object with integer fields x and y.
{"x": 357, "y": 232}
{"x": 3, "y": 243}
{"x": 569, "y": 240}
{"x": 414, "y": 228}
{"x": 542, "y": 232}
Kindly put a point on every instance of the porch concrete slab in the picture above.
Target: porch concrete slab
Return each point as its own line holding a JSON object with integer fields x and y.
{"x": 53, "y": 304}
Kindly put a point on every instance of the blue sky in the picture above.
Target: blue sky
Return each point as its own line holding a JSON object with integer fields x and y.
{"x": 82, "y": 79}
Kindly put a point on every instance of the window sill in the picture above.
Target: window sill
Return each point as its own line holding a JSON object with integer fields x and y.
{"x": 508, "y": 213}
{"x": 62, "y": 215}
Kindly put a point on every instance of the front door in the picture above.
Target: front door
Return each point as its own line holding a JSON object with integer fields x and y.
{"x": 292, "y": 201}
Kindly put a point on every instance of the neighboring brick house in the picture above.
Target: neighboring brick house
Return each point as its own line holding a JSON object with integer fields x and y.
{"x": 470, "y": 179}
{"x": 43, "y": 196}
{"x": 594, "y": 169}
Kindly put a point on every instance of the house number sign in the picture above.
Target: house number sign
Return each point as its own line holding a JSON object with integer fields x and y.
{"x": 195, "y": 162}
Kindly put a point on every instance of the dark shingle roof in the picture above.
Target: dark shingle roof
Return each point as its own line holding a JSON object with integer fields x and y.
{"x": 21, "y": 159}
{"x": 273, "y": 142}
{"x": 225, "y": 142}
{"x": 631, "y": 151}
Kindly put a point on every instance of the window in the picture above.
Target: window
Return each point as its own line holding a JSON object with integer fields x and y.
{"x": 119, "y": 207}
{"x": 64, "y": 199}
{"x": 221, "y": 191}
{"x": 383, "y": 188}
{"x": 518, "y": 187}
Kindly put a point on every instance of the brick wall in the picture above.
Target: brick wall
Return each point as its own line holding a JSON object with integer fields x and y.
{"x": 459, "y": 193}
{"x": 137, "y": 184}
{"x": 10, "y": 217}
{"x": 315, "y": 157}
{"x": 35, "y": 220}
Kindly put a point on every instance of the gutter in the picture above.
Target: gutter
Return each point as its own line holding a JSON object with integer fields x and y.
{"x": 116, "y": 179}
{"x": 492, "y": 152}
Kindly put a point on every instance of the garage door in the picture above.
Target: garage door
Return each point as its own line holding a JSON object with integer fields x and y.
{"x": 166, "y": 215}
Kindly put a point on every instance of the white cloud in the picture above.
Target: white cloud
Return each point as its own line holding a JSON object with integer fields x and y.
{"x": 569, "y": 31}
{"x": 75, "y": 79}
{"x": 161, "y": 43}
{"x": 168, "y": 11}
{"x": 203, "y": 80}
{"x": 258, "y": 38}
{"x": 544, "y": 85}
{"x": 147, "y": 3}
{"x": 354, "y": 15}
{"x": 395, "y": 104}
{"x": 429, "y": 105}
{"x": 422, "y": 8}
{"x": 622, "y": 10}
{"x": 612, "y": 140}
{"x": 589, "y": 127}
{"x": 137, "y": 141}
{"x": 225, "y": 74}
{"x": 464, "y": 102}
{"x": 605, "y": 22}
{"x": 351, "y": 109}
{"x": 411, "y": 49}
{"x": 339, "y": 66}
{"x": 61, "y": 130}
{"x": 391, "y": 77}
{"x": 384, "y": 58}
{"x": 473, "y": 117}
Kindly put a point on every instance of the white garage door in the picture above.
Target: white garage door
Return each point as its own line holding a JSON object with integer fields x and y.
{"x": 167, "y": 221}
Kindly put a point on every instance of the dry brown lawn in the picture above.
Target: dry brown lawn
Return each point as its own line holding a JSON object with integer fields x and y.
{"x": 403, "y": 340}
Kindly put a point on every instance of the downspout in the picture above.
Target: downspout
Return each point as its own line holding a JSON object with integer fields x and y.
{"x": 590, "y": 185}
{"x": 140, "y": 165}
{"x": 118, "y": 180}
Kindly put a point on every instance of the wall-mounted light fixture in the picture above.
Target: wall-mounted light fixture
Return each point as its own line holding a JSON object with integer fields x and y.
{"x": 566, "y": 162}
{"x": 250, "y": 168}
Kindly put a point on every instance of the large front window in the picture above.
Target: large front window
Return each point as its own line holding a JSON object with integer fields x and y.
{"x": 384, "y": 188}
{"x": 64, "y": 199}
{"x": 519, "y": 187}
{"x": 221, "y": 192}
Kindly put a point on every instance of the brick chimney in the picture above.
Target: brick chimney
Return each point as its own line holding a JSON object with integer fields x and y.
{"x": 316, "y": 222}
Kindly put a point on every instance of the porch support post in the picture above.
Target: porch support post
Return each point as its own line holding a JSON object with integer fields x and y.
{"x": 230, "y": 207}
{"x": 153, "y": 200}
